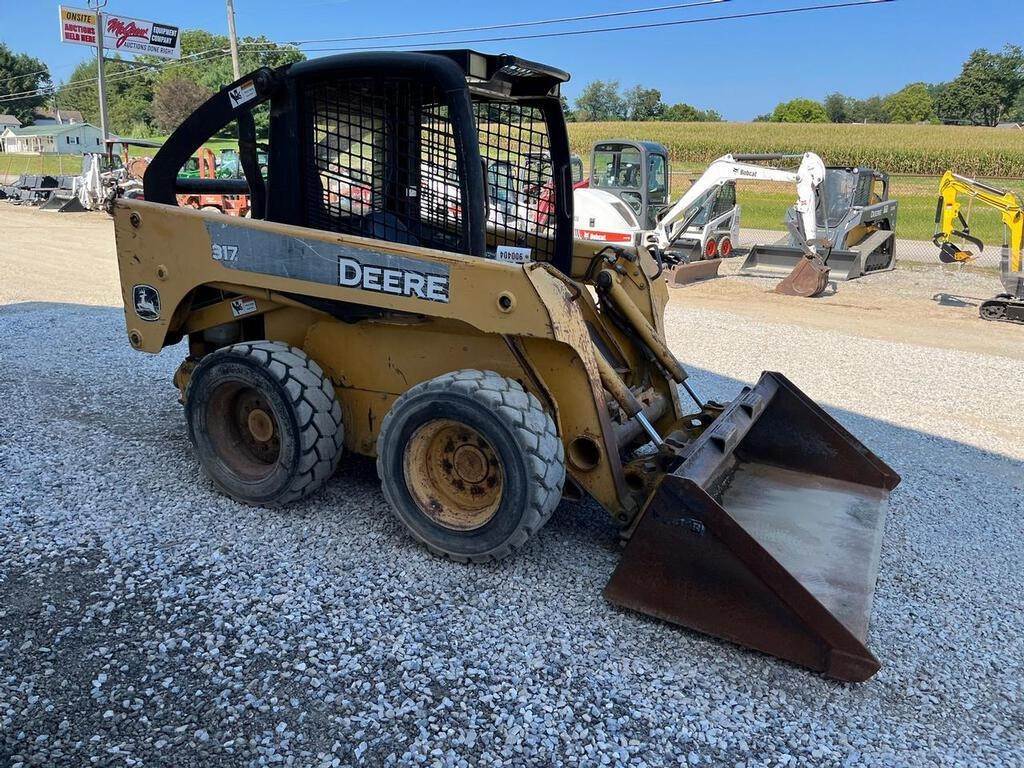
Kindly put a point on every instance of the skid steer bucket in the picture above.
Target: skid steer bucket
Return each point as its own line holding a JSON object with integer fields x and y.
{"x": 767, "y": 535}
{"x": 63, "y": 202}
{"x": 771, "y": 261}
{"x": 694, "y": 271}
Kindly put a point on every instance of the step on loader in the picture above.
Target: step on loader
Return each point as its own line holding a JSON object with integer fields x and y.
{"x": 372, "y": 305}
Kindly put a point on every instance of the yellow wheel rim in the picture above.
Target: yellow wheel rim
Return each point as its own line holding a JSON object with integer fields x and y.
{"x": 453, "y": 475}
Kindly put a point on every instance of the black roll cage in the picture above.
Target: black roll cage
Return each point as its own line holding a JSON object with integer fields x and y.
{"x": 461, "y": 76}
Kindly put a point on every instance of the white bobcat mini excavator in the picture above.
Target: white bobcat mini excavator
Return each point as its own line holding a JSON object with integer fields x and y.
{"x": 810, "y": 276}
{"x": 629, "y": 188}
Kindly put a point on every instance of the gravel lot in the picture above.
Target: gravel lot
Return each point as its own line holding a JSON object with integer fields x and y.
{"x": 145, "y": 619}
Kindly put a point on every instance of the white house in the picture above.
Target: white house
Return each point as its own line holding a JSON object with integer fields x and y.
{"x": 71, "y": 139}
{"x": 56, "y": 117}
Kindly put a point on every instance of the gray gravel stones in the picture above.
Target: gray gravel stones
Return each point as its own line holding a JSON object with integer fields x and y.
{"x": 145, "y": 619}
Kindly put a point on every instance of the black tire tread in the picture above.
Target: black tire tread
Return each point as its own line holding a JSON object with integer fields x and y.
{"x": 534, "y": 430}
{"x": 321, "y": 432}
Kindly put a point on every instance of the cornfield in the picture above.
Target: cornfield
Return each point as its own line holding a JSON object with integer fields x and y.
{"x": 896, "y": 149}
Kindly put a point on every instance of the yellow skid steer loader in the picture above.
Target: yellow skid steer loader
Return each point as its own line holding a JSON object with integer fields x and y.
{"x": 490, "y": 364}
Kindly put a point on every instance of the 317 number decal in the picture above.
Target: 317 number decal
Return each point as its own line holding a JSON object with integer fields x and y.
{"x": 225, "y": 252}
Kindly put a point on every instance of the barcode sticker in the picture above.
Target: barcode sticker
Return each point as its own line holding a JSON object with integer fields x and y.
{"x": 511, "y": 254}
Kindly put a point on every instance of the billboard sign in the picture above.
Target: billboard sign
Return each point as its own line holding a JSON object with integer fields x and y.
{"x": 121, "y": 34}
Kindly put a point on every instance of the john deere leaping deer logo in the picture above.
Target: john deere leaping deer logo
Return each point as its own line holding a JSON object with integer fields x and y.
{"x": 147, "y": 302}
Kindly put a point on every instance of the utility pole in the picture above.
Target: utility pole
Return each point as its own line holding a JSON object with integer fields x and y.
{"x": 233, "y": 38}
{"x": 101, "y": 83}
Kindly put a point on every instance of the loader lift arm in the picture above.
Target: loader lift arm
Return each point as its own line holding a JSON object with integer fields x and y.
{"x": 951, "y": 225}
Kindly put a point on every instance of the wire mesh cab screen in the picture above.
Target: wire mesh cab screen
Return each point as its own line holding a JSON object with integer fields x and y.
{"x": 514, "y": 145}
{"x": 380, "y": 161}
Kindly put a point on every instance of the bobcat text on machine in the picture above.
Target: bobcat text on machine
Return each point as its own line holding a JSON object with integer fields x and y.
{"x": 952, "y": 225}
{"x": 490, "y": 368}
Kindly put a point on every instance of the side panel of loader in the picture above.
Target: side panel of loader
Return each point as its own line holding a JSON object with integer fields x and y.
{"x": 522, "y": 321}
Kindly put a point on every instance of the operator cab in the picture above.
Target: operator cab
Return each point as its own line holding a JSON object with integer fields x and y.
{"x": 454, "y": 150}
{"x": 635, "y": 171}
{"x": 576, "y": 163}
{"x": 850, "y": 189}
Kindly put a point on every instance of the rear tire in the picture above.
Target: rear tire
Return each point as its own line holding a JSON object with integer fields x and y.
{"x": 725, "y": 247}
{"x": 471, "y": 464}
{"x": 264, "y": 421}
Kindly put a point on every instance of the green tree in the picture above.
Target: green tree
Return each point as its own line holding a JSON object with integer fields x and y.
{"x": 129, "y": 95}
{"x": 869, "y": 110}
{"x": 599, "y": 101}
{"x": 570, "y": 116}
{"x": 684, "y": 113}
{"x": 643, "y": 103}
{"x": 800, "y": 111}
{"x": 986, "y": 89}
{"x": 1017, "y": 110}
{"x": 912, "y": 104}
{"x": 837, "y": 108}
{"x": 21, "y": 73}
{"x": 174, "y": 99}
{"x": 205, "y": 61}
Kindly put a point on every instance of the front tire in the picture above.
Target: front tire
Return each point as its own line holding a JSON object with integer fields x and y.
{"x": 264, "y": 421}
{"x": 471, "y": 464}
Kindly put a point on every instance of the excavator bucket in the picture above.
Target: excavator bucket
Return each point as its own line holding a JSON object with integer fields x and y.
{"x": 767, "y": 535}
{"x": 808, "y": 279}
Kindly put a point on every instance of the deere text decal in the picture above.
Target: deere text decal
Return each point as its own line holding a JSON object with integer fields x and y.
{"x": 347, "y": 266}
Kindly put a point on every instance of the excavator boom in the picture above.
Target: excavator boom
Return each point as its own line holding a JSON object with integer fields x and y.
{"x": 807, "y": 180}
{"x": 952, "y": 225}
{"x": 810, "y": 275}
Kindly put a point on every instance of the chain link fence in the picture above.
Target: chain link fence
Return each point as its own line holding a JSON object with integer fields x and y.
{"x": 15, "y": 164}
{"x": 763, "y": 207}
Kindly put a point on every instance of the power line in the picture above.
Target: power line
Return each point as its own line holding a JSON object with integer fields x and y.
{"x": 27, "y": 74}
{"x": 534, "y": 36}
{"x": 624, "y": 28}
{"x": 490, "y": 27}
{"x": 85, "y": 83}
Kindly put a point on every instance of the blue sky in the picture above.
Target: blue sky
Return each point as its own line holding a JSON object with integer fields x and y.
{"x": 740, "y": 67}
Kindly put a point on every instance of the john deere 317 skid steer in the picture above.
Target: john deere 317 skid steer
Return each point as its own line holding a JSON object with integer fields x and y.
{"x": 372, "y": 305}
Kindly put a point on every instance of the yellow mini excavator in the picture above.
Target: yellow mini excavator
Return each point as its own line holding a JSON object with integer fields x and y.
{"x": 954, "y": 238}
{"x": 492, "y": 365}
